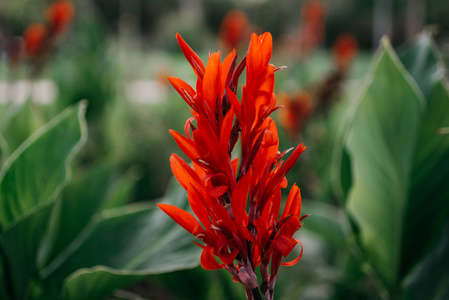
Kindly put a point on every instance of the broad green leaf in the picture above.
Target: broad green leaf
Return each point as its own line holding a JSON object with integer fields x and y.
{"x": 80, "y": 200}
{"x": 37, "y": 170}
{"x": 97, "y": 283}
{"x": 20, "y": 243}
{"x": 137, "y": 239}
{"x": 381, "y": 144}
{"x": 428, "y": 202}
{"x": 422, "y": 60}
{"x": 122, "y": 188}
{"x": 21, "y": 122}
{"x": 430, "y": 280}
{"x": 3, "y": 284}
{"x": 326, "y": 221}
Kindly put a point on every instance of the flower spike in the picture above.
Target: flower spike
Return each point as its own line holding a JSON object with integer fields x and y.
{"x": 237, "y": 200}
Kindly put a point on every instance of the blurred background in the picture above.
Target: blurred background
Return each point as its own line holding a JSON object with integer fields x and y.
{"x": 117, "y": 55}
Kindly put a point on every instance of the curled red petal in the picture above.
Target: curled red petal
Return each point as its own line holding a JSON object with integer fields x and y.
{"x": 293, "y": 262}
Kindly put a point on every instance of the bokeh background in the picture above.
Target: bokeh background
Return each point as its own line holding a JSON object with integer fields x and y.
{"x": 117, "y": 55}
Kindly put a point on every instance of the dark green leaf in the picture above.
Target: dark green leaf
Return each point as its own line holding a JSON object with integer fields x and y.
{"x": 428, "y": 204}
{"x": 20, "y": 244}
{"x": 138, "y": 239}
{"x": 430, "y": 280}
{"x": 81, "y": 199}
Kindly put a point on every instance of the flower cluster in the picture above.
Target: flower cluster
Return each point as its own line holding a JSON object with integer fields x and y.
{"x": 236, "y": 200}
{"x": 39, "y": 37}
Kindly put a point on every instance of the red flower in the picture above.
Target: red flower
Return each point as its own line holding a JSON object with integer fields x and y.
{"x": 35, "y": 38}
{"x": 298, "y": 109}
{"x": 236, "y": 200}
{"x": 59, "y": 15}
{"x": 344, "y": 50}
{"x": 312, "y": 31}
{"x": 234, "y": 29}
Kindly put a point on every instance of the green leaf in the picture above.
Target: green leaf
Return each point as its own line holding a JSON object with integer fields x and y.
{"x": 97, "y": 283}
{"x": 428, "y": 204}
{"x": 37, "y": 170}
{"x": 20, "y": 123}
{"x": 381, "y": 144}
{"x": 20, "y": 243}
{"x": 422, "y": 60}
{"x": 80, "y": 200}
{"x": 326, "y": 221}
{"x": 430, "y": 280}
{"x": 122, "y": 189}
{"x": 138, "y": 239}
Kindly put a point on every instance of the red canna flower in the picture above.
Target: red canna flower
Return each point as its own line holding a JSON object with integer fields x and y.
{"x": 344, "y": 50}
{"x": 298, "y": 108}
{"x": 236, "y": 200}
{"x": 312, "y": 31}
{"x": 234, "y": 29}
{"x": 59, "y": 15}
{"x": 35, "y": 39}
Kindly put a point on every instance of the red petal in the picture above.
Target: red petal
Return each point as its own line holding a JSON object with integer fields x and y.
{"x": 208, "y": 260}
{"x": 235, "y": 104}
{"x": 182, "y": 171}
{"x": 293, "y": 204}
{"x": 185, "y": 90}
{"x": 183, "y": 218}
{"x": 284, "y": 244}
{"x": 186, "y": 145}
{"x": 228, "y": 258}
{"x": 291, "y": 160}
{"x": 211, "y": 81}
{"x": 239, "y": 200}
{"x": 192, "y": 57}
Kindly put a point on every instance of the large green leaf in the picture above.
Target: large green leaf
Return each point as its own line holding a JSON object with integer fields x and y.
{"x": 326, "y": 221}
{"x": 381, "y": 144}
{"x": 138, "y": 239}
{"x": 122, "y": 188}
{"x": 37, "y": 170}
{"x": 20, "y": 244}
{"x": 80, "y": 200}
{"x": 430, "y": 280}
{"x": 428, "y": 201}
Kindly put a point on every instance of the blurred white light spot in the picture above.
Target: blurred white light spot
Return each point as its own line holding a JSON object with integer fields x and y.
{"x": 42, "y": 92}
{"x": 146, "y": 91}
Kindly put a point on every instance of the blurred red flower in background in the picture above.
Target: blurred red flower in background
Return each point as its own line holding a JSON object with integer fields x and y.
{"x": 59, "y": 15}
{"x": 35, "y": 38}
{"x": 297, "y": 110}
{"x": 234, "y": 29}
{"x": 237, "y": 200}
{"x": 312, "y": 30}
{"x": 344, "y": 50}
